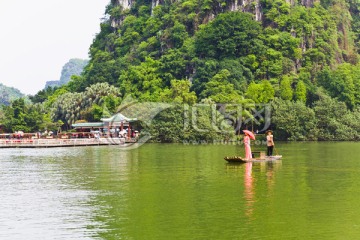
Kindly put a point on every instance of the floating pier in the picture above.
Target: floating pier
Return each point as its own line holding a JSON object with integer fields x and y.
{"x": 58, "y": 142}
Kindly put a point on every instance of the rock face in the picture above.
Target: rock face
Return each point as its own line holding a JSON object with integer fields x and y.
{"x": 73, "y": 67}
{"x": 308, "y": 3}
{"x": 53, "y": 83}
{"x": 125, "y": 4}
{"x": 251, "y": 6}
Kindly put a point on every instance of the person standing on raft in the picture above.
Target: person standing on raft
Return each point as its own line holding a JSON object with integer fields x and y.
{"x": 270, "y": 143}
{"x": 248, "y": 154}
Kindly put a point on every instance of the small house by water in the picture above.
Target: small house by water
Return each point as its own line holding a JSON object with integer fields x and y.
{"x": 115, "y": 126}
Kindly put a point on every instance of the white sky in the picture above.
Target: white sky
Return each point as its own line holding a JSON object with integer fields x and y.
{"x": 37, "y": 37}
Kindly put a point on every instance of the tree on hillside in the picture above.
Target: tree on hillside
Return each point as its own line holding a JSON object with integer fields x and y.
{"x": 179, "y": 93}
{"x": 231, "y": 34}
{"x": 286, "y": 92}
{"x": 300, "y": 92}
{"x": 220, "y": 90}
{"x": 339, "y": 83}
{"x": 261, "y": 92}
{"x": 143, "y": 81}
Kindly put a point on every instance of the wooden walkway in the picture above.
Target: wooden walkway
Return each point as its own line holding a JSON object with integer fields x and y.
{"x": 47, "y": 143}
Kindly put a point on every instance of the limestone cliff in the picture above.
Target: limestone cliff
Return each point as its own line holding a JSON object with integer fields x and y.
{"x": 322, "y": 32}
{"x": 251, "y": 6}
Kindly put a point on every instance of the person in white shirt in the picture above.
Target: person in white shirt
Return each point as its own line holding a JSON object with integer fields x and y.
{"x": 269, "y": 142}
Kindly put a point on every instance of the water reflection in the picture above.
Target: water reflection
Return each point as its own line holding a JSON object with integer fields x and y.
{"x": 270, "y": 169}
{"x": 178, "y": 192}
{"x": 259, "y": 179}
{"x": 255, "y": 174}
{"x": 249, "y": 189}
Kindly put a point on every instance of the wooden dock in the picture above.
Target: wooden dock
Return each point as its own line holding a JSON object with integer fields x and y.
{"x": 58, "y": 142}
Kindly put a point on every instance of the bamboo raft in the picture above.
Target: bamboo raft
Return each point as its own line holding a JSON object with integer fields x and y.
{"x": 58, "y": 142}
{"x": 261, "y": 157}
{"x": 237, "y": 159}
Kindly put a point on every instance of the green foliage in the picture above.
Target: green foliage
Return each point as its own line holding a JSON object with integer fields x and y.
{"x": 240, "y": 72}
{"x": 173, "y": 64}
{"x": 334, "y": 120}
{"x": 260, "y": 92}
{"x": 231, "y": 34}
{"x": 168, "y": 126}
{"x": 43, "y": 95}
{"x": 76, "y": 84}
{"x": 53, "y": 98}
{"x": 93, "y": 113}
{"x": 179, "y": 93}
{"x": 341, "y": 83}
{"x": 286, "y": 92}
{"x": 15, "y": 116}
{"x": 19, "y": 116}
{"x": 355, "y": 14}
{"x": 177, "y": 35}
{"x": 327, "y": 120}
{"x": 300, "y": 92}
{"x": 143, "y": 81}
{"x": 220, "y": 90}
{"x": 70, "y": 107}
{"x": 293, "y": 120}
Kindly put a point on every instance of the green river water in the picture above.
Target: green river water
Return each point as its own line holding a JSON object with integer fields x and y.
{"x": 177, "y": 191}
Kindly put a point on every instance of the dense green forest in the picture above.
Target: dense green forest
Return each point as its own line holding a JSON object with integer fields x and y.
{"x": 296, "y": 60}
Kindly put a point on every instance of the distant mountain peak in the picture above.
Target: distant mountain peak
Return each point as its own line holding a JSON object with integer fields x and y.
{"x": 8, "y": 94}
{"x": 74, "y": 66}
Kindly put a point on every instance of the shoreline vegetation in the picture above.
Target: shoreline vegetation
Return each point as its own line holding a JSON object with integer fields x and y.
{"x": 292, "y": 68}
